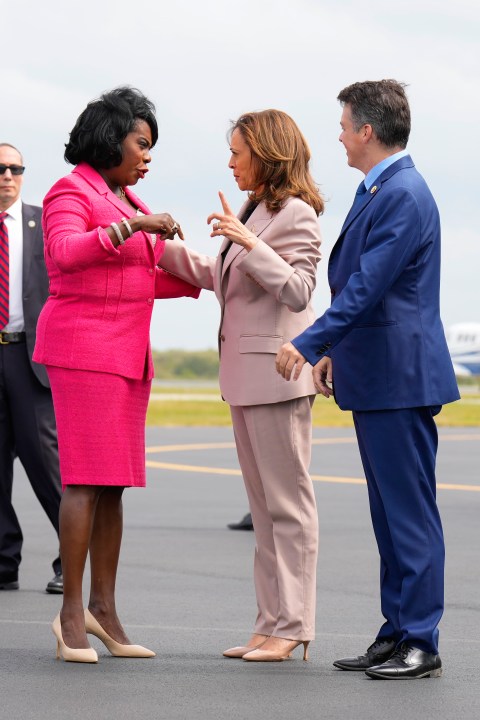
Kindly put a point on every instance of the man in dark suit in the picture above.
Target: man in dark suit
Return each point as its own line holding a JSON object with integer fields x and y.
{"x": 382, "y": 345}
{"x": 27, "y": 420}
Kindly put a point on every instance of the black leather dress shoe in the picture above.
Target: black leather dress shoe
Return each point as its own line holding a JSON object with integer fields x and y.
{"x": 55, "y": 585}
{"x": 244, "y": 524}
{"x": 376, "y": 654}
{"x": 9, "y": 583}
{"x": 407, "y": 663}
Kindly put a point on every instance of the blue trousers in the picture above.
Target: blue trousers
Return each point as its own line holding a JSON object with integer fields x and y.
{"x": 398, "y": 450}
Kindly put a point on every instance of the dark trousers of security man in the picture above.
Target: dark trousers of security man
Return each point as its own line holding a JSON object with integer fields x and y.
{"x": 27, "y": 430}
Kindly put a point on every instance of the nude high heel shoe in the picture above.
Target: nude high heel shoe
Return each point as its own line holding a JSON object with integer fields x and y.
{"x": 280, "y": 649}
{"x": 85, "y": 655}
{"x": 93, "y": 627}
{"x": 241, "y": 650}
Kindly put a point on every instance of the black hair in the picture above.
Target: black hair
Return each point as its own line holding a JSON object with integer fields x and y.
{"x": 105, "y": 123}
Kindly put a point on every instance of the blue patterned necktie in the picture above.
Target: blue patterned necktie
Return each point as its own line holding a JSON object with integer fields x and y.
{"x": 361, "y": 190}
{"x": 4, "y": 273}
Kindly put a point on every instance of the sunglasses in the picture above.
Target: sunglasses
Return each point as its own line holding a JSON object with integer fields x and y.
{"x": 14, "y": 169}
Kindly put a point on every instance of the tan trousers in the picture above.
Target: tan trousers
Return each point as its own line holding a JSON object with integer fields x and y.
{"x": 274, "y": 449}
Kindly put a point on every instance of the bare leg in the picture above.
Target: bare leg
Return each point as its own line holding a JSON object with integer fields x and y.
{"x": 104, "y": 553}
{"x": 77, "y": 512}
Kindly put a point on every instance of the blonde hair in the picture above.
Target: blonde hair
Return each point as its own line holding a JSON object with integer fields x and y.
{"x": 280, "y": 157}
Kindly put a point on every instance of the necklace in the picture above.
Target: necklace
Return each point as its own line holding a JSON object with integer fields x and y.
{"x": 120, "y": 192}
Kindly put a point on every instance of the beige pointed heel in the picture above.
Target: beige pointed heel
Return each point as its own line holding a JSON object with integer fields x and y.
{"x": 83, "y": 655}
{"x": 93, "y": 627}
{"x": 280, "y": 649}
{"x": 241, "y": 650}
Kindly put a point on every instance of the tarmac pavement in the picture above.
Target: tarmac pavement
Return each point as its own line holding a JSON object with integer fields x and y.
{"x": 185, "y": 590}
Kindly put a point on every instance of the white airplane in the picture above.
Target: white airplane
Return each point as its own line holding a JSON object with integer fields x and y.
{"x": 463, "y": 342}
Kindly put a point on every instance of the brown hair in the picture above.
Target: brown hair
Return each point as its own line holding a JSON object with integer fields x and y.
{"x": 280, "y": 157}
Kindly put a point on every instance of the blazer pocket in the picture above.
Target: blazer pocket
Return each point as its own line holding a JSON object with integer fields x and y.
{"x": 379, "y": 323}
{"x": 260, "y": 343}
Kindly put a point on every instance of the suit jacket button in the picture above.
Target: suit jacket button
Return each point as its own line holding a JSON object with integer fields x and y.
{"x": 149, "y": 301}
{"x": 222, "y": 338}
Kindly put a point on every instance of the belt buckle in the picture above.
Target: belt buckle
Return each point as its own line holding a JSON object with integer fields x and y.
{"x": 2, "y": 341}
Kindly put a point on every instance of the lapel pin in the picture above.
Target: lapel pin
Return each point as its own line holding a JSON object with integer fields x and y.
{"x": 373, "y": 189}
{"x": 31, "y": 223}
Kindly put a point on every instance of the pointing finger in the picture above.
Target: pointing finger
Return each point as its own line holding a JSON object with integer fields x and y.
{"x": 226, "y": 207}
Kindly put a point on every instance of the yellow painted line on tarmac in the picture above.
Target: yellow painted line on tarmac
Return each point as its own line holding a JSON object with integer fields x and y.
{"x": 338, "y": 480}
{"x": 452, "y": 486}
{"x": 193, "y": 468}
{"x": 220, "y": 446}
{"x": 316, "y": 441}
{"x": 190, "y": 446}
{"x": 237, "y": 472}
{"x": 317, "y": 478}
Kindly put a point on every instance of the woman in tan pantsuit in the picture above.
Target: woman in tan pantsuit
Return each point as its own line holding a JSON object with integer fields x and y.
{"x": 264, "y": 277}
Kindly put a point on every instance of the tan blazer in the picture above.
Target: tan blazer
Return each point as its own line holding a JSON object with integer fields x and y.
{"x": 265, "y": 299}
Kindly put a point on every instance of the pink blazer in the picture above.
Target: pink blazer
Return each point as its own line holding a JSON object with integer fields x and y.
{"x": 265, "y": 299}
{"x": 97, "y": 316}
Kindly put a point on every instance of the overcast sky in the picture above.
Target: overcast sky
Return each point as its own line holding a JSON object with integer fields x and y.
{"x": 203, "y": 63}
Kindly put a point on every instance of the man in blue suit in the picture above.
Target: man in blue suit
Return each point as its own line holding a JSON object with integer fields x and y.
{"x": 380, "y": 348}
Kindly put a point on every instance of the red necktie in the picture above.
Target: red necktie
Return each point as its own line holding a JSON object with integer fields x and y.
{"x": 4, "y": 275}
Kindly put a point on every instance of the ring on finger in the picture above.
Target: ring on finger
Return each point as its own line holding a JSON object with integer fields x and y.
{"x": 174, "y": 228}
{"x": 216, "y": 226}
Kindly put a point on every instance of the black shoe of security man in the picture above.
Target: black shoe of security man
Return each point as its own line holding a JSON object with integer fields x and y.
{"x": 55, "y": 586}
{"x": 379, "y": 652}
{"x": 244, "y": 524}
{"x": 407, "y": 663}
{"x": 9, "y": 582}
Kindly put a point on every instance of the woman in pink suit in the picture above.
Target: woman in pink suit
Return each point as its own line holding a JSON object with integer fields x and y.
{"x": 263, "y": 278}
{"x": 102, "y": 249}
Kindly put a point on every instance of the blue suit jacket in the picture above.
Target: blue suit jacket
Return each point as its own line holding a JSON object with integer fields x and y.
{"x": 383, "y": 330}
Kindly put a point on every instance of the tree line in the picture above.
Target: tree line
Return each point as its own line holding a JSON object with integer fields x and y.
{"x": 186, "y": 364}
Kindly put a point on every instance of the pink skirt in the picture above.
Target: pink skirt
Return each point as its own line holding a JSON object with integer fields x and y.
{"x": 101, "y": 427}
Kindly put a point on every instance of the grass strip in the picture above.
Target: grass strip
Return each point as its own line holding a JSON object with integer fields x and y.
{"x": 209, "y": 411}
